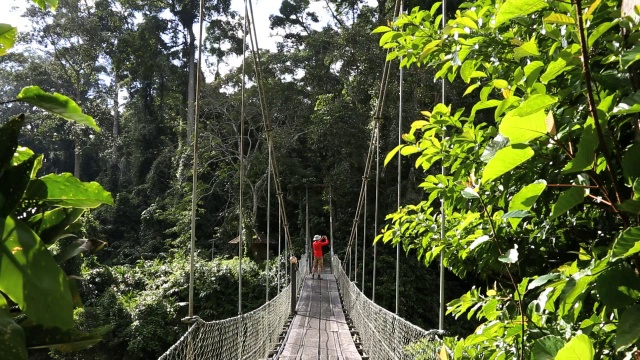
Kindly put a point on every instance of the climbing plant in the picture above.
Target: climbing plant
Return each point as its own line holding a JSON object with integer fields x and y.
{"x": 542, "y": 200}
{"x": 37, "y": 298}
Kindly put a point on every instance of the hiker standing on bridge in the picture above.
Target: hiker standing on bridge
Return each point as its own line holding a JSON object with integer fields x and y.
{"x": 318, "y": 243}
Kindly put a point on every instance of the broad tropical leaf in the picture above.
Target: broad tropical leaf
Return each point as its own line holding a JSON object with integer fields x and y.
{"x": 546, "y": 347}
{"x": 57, "y": 104}
{"x": 586, "y": 150}
{"x": 578, "y": 348}
{"x": 514, "y": 8}
{"x": 67, "y": 191}
{"x": 626, "y": 244}
{"x": 618, "y": 287}
{"x": 30, "y": 274}
{"x": 628, "y": 331}
{"x": 522, "y": 129}
{"x": 506, "y": 159}
{"x": 525, "y": 198}
{"x": 567, "y": 200}
{"x": 12, "y": 339}
{"x": 8, "y": 36}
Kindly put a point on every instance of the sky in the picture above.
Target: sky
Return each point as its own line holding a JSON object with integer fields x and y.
{"x": 10, "y": 11}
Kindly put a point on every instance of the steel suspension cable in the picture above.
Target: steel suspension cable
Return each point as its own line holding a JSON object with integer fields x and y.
{"x": 253, "y": 35}
{"x": 375, "y": 215}
{"x": 399, "y": 178}
{"x": 268, "y": 223}
{"x": 377, "y": 118}
{"x": 442, "y": 214}
{"x": 242, "y": 115}
{"x": 194, "y": 189}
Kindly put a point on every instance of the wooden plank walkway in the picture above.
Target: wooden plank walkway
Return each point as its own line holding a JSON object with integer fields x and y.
{"x": 319, "y": 329}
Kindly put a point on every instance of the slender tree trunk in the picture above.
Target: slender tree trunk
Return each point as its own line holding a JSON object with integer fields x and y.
{"x": 191, "y": 93}
{"x": 116, "y": 108}
{"x": 77, "y": 161}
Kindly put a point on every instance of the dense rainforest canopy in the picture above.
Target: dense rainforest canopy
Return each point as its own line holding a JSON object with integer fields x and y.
{"x": 533, "y": 159}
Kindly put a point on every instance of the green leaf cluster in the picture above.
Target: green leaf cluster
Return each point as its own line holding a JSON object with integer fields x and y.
{"x": 37, "y": 298}
{"x": 540, "y": 200}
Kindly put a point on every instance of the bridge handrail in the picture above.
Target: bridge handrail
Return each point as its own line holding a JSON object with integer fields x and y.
{"x": 248, "y": 336}
{"x": 383, "y": 334}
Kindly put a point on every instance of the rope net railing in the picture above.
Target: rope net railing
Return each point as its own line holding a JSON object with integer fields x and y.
{"x": 383, "y": 334}
{"x": 248, "y": 336}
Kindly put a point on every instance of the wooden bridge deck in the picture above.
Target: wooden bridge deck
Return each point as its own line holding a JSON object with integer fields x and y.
{"x": 319, "y": 329}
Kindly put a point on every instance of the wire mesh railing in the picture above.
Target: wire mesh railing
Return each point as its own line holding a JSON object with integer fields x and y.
{"x": 383, "y": 334}
{"x": 249, "y": 336}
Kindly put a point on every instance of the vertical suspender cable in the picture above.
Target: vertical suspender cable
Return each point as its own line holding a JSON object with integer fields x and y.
{"x": 442, "y": 215}
{"x": 279, "y": 246}
{"x": 242, "y": 114}
{"x": 194, "y": 190}
{"x": 364, "y": 233}
{"x": 399, "y": 180}
{"x": 253, "y": 36}
{"x": 331, "y": 223}
{"x": 268, "y": 221}
{"x": 355, "y": 262}
{"x": 307, "y": 245}
{"x": 375, "y": 213}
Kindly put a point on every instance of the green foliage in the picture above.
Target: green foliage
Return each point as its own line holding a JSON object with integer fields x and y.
{"x": 34, "y": 214}
{"x": 145, "y": 301}
{"x": 31, "y": 277}
{"x": 551, "y": 225}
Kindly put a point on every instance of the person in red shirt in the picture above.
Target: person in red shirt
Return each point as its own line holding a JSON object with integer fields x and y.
{"x": 318, "y": 243}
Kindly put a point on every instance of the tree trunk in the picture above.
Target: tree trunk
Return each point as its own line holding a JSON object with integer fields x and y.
{"x": 191, "y": 93}
{"x": 77, "y": 161}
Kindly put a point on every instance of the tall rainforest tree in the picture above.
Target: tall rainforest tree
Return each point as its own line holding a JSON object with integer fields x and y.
{"x": 542, "y": 199}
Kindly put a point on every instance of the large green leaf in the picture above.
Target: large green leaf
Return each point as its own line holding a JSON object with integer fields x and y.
{"x": 628, "y": 331}
{"x": 618, "y": 287}
{"x": 43, "y": 4}
{"x": 13, "y": 183}
{"x": 506, "y": 159}
{"x": 530, "y": 48}
{"x": 58, "y": 104}
{"x": 67, "y": 191}
{"x": 12, "y": 340}
{"x": 56, "y": 223}
{"x": 525, "y": 198}
{"x": 567, "y": 200}
{"x": 628, "y": 105}
{"x": 60, "y": 339}
{"x": 554, "y": 69}
{"x": 626, "y": 244}
{"x": 9, "y": 140}
{"x": 561, "y": 19}
{"x": 630, "y": 206}
{"x": 578, "y": 348}
{"x": 535, "y": 103}
{"x": 522, "y": 129}
{"x": 31, "y": 277}
{"x": 546, "y": 347}
{"x": 630, "y": 56}
{"x": 8, "y": 36}
{"x": 630, "y": 158}
{"x": 599, "y": 31}
{"x": 514, "y": 8}
{"x": 586, "y": 149}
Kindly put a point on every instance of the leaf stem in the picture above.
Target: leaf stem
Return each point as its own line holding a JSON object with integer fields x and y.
{"x": 590, "y": 98}
{"x": 574, "y": 185}
{"x": 513, "y": 282}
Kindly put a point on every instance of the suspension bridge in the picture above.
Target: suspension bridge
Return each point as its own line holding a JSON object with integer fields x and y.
{"x": 327, "y": 318}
